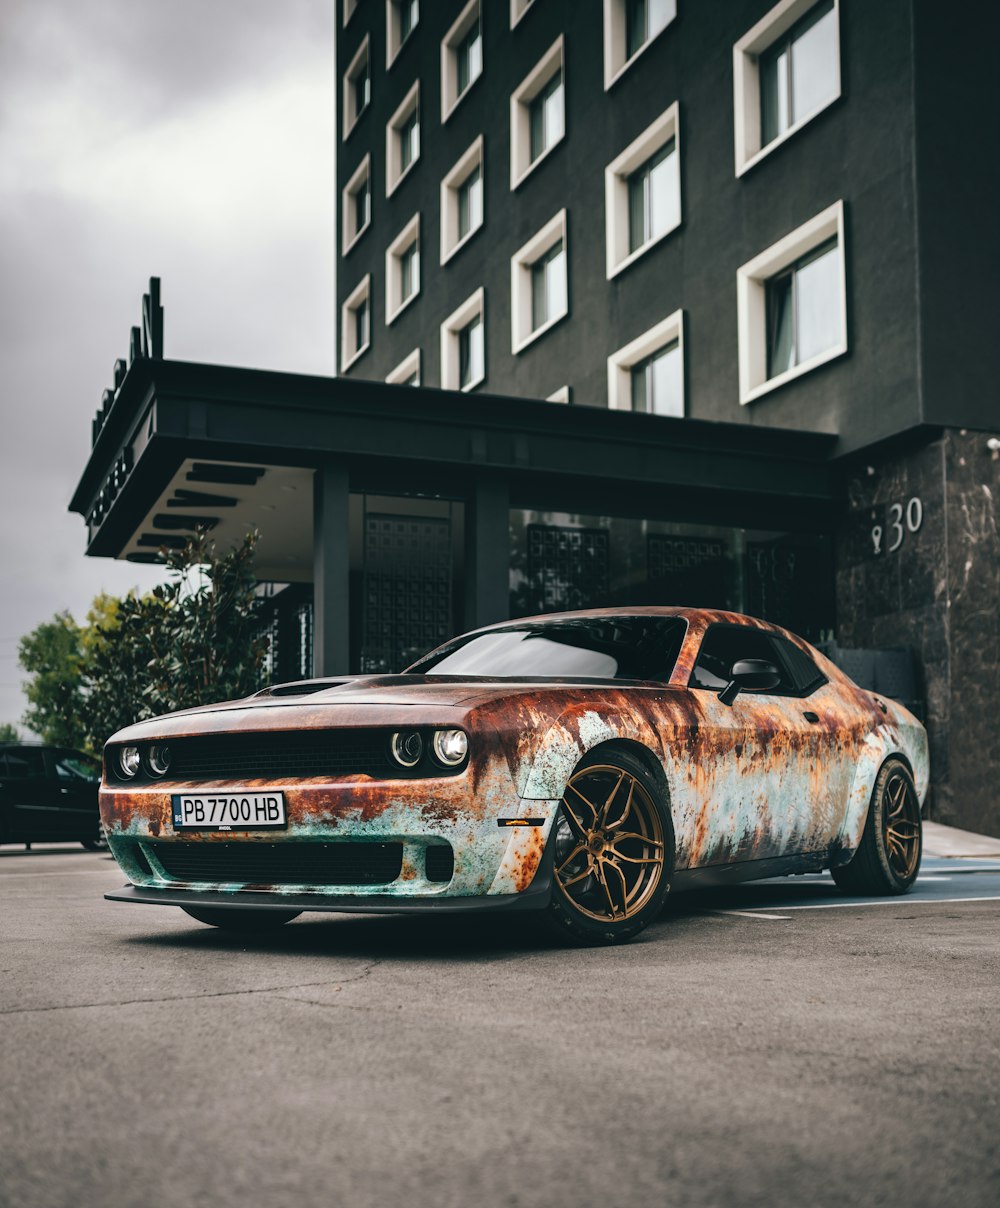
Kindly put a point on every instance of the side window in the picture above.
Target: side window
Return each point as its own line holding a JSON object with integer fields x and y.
{"x": 806, "y": 676}
{"x": 24, "y": 763}
{"x": 75, "y": 766}
{"x": 724, "y": 645}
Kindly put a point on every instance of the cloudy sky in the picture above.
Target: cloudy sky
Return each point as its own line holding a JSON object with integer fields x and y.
{"x": 191, "y": 141}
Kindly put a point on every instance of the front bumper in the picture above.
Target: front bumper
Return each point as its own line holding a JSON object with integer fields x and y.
{"x": 494, "y": 863}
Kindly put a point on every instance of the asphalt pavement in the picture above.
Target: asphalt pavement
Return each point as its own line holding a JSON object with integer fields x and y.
{"x": 767, "y": 1045}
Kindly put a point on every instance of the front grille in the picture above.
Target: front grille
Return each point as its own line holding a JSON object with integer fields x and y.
{"x": 281, "y": 755}
{"x": 440, "y": 862}
{"x": 281, "y": 863}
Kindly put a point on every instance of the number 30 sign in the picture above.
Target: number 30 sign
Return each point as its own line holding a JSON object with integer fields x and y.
{"x": 898, "y": 522}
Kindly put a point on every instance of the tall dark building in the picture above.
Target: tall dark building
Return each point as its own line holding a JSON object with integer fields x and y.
{"x": 749, "y": 253}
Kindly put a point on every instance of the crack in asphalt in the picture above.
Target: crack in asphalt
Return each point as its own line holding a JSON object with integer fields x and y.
{"x": 131, "y": 1002}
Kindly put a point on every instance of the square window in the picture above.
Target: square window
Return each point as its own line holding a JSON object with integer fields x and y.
{"x": 792, "y": 307}
{"x": 356, "y": 204}
{"x": 463, "y": 345}
{"x": 402, "y": 269}
{"x": 355, "y": 323}
{"x": 407, "y": 372}
{"x": 648, "y": 374}
{"x": 357, "y": 88}
{"x": 643, "y": 192}
{"x": 537, "y": 114}
{"x": 629, "y": 27}
{"x": 786, "y": 71}
{"x": 539, "y": 283}
{"x": 461, "y": 57}
{"x": 401, "y": 18}
{"x": 402, "y": 139}
{"x": 462, "y": 201}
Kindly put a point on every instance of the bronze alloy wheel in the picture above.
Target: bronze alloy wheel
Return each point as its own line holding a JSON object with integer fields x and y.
{"x": 610, "y": 844}
{"x": 888, "y": 857}
{"x": 901, "y": 824}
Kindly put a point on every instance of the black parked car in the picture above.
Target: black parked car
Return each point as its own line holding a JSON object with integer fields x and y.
{"x": 49, "y": 795}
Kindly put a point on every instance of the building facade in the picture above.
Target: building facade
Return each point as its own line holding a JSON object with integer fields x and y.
{"x": 639, "y": 302}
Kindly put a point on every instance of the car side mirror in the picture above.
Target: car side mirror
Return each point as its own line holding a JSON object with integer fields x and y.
{"x": 749, "y": 675}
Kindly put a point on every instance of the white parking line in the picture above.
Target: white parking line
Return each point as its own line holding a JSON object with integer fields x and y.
{"x": 752, "y": 914}
{"x": 893, "y": 901}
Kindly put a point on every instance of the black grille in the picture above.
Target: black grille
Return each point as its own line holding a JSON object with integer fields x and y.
{"x": 440, "y": 862}
{"x": 281, "y": 754}
{"x": 281, "y": 863}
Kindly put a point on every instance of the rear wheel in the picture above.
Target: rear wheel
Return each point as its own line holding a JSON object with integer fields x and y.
{"x": 237, "y": 919}
{"x": 888, "y": 858}
{"x": 613, "y": 852}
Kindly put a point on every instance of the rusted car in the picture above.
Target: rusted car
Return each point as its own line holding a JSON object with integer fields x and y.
{"x": 579, "y": 764}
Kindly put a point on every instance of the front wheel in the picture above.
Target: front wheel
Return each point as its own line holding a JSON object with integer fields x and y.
{"x": 888, "y": 857}
{"x": 245, "y": 920}
{"x": 614, "y": 847}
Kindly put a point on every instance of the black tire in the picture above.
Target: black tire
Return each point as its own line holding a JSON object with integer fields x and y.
{"x": 245, "y": 920}
{"x": 888, "y": 858}
{"x": 605, "y": 890}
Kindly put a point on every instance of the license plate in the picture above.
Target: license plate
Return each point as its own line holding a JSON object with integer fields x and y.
{"x": 232, "y": 810}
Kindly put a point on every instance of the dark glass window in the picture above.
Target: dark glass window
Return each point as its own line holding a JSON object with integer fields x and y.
{"x": 74, "y": 765}
{"x": 470, "y": 352}
{"x": 606, "y": 648}
{"x": 23, "y": 762}
{"x": 361, "y": 325}
{"x": 362, "y": 84}
{"x": 805, "y": 674}
{"x": 657, "y": 382}
{"x": 409, "y": 272}
{"x": 654, "y": 196}
{"x": 643, "y": 20}
{"x": 409, "y": 14}
{"x": 724, "y": 645}
{"x": 548, "y": 286}
{"x": 798, "y": 73}
{"x": 409, "y": 141}
{"x": 362, "y": 205}
{"x": 545, "y": 117}
{"x": 803, "y": 309}
{"x": 470, "y": 203}
{"x": 469, "y": 58}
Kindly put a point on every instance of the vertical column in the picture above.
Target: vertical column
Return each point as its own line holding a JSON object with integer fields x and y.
{"x": 331, "y": 570}
{"x": 487, "y": 552}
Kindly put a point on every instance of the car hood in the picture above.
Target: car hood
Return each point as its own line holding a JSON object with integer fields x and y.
{"x": 371, "y": 700}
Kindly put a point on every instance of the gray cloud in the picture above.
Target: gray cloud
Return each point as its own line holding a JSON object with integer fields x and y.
{"x": 191, "y": 141}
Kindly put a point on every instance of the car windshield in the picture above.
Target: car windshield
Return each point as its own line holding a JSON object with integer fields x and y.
{"x": 607, "y": 648}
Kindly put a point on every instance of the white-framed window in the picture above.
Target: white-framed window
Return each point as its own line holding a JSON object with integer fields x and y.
{"x": 401, "y": 17}
{"x": 537, "y": 113}
{"x": 356, "y": 322}
{"x": 350, "y": 8}
{"x": 463, "y": 344}
{"x": 357, "y": 87}
{"x": 407, "y": 372}
{"x": 648, "y": 373}
{"x": 402, "y": 139}
{"x": 629, "y": 27}
{"x": 462, "y": 201}
{"x": 402, "y": 269}
{"x": 562, "y": 395}
{"x": 786, "y": 70}
{"x": 792, "y": 305}
{"x": 517, "y": 10}
{"x": 539, "y": 283}
{"x": 356, "y": 204}
{"x": 461, "y": 57}
{"x": 642, "y": 192}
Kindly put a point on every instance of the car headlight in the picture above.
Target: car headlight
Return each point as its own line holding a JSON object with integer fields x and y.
{"x": 450, "y": 747}
{"x": 129, "y": 761}
{"x": 407, "y": 747}
{"x": 158, "y": 758}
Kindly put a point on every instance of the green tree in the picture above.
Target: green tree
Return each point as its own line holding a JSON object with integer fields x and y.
{"x": 52, "y": 655}
{"x": 191, "y": 641}
{"x": 9, "y": 733}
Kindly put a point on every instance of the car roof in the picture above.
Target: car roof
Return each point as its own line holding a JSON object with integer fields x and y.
{"x": 687, "y": 613}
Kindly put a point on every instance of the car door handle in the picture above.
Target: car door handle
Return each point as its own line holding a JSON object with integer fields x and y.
{"x": 810, "y": 716}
